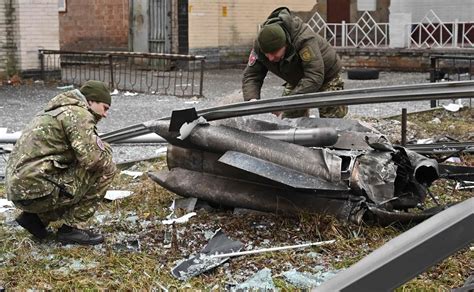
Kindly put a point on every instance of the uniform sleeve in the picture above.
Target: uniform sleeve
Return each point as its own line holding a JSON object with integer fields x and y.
{"x": 313, "y": 68}
{"x": 252, "y": 81}
{"x": 91, "y": 152}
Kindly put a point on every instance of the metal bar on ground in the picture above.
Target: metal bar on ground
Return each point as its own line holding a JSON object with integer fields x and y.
{"x": 442, "y": 148}
{"x": 239, "y": 253}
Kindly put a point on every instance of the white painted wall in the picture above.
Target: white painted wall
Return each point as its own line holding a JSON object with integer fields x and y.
{"x": 399, "y": 29}
{"x": 366, "y": 5}
{"x": 38, "y": 24}
{"x": 446, "y": 10}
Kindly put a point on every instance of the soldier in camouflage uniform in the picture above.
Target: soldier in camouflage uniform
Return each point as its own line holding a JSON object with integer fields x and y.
{"x": 60, "y": 168}
{"x": 289, "y": 48}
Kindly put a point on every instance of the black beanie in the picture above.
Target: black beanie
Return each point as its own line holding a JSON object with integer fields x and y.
{"x": 95, "y": 90}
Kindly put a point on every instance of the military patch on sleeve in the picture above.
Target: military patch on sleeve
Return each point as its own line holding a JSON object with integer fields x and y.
{"x": 306, "y": 54}
{"x": 100, "y": 144}
{"x": 252, "y": 58}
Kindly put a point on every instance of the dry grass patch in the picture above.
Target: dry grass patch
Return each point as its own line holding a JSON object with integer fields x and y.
{"x": 137, "y": 256}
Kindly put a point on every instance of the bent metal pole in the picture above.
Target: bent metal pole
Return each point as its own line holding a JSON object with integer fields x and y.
{"x": 416, "y": 92}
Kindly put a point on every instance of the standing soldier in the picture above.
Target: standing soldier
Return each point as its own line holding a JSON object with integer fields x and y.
{"x": 289, "y": 48}
{"x": 60, "y": 168}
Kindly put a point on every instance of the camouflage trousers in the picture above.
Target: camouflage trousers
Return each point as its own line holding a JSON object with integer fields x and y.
{"x": 77, "y": 198}
{"x": 324, "y": 112}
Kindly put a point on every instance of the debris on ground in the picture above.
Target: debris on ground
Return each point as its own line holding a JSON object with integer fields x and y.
{"x": 202, "y": 262}
{"x": 305, "y": 280}
{"x": 113, "y": 195}
{"x": 260, "y": 281}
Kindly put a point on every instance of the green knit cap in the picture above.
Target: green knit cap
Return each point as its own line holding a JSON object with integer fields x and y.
{"x": 95, "y": 90}
{"x": 271, "y": 38}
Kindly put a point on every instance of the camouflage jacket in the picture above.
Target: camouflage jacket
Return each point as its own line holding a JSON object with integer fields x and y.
{"x": 62, "y": 136}
{"x": 309, "y": 61}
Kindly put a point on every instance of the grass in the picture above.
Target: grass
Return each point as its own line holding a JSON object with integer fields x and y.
{"x": 136, "y": 256}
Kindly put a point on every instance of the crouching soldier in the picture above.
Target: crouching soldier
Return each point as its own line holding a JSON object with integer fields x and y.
{"x": 59, "y": 168}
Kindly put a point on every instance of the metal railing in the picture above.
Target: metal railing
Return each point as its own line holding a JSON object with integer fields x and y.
{"x": 451, "y": 68}
{"x": 430, "y": 32}
{"x": 165, "y": 74}
{"x": 366, "y": 32}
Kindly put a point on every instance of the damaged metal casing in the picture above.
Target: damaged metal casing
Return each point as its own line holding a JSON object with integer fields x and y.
{"x": 231, "y": 167}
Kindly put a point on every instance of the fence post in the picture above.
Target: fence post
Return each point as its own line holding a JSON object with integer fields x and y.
{"x": 201, "y": 82}
{"x": 41, "y": 57}
{"x": 432, "y": 76}
{"x": 343, "y": 34}
{"x": 455, "y": 33}
{"x": 111, "y": 68}
{"x": 404, "y": 127}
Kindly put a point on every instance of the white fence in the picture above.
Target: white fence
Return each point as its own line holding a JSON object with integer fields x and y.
{"x": 430, "y": 32}
{"x": 364, "y": 33}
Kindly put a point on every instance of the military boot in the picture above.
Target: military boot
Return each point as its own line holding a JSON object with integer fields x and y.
{"x": 32, "y": 223}
{"x": 68, "y": 234}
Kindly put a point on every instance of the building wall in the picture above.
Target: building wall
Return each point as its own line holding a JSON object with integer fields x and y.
{"x": 95, "y": 25}
{"x": 447, "y": 11}
{"x": 8, "y": 38}
{"x": 224, "y": 30}
{"x": 37, "y": 29}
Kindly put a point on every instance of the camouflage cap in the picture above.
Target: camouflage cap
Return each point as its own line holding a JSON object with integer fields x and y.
{"x": 271, "y": 38}
{"x": 95, "y": 90}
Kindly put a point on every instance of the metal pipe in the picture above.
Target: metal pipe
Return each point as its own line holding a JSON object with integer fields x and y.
{"x": 318, "y": 137}
{"x": 317, "y": 162}
{"x": 314, "y": 137}
{"x": 8, "y": 138}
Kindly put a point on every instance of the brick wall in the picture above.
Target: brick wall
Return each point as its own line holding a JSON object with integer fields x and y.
{"x": 95, "y": 25}
{"x": 8, "y": 42}
{"x": 37, "y": 29}
{"x": 3, "y": 39}
{"x": 409, "y": 60}
{"x": 224, "y": 30}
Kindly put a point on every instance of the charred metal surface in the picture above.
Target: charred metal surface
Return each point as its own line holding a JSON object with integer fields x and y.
{"x": 204, "y": 161}
{"x": 456, "y": 172}
{"x": 220, "y": 139}
{"x": 383, "y": 217}
{"x": 225, "y": 191}
{"x": 279, "y": 173}
{"x": 232, "y": 167}
{"x": 375, "y": 176}
{"x": 317, "y": 162}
